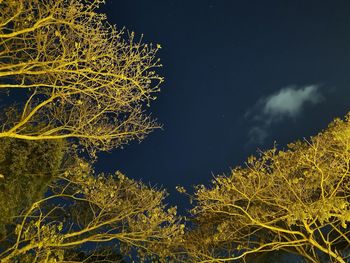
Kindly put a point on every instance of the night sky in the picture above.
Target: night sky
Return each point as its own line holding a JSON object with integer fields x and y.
{"x": 239, "y": 75}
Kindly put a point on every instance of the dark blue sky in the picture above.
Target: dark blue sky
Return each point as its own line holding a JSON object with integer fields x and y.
{"x": 239, "y": 75}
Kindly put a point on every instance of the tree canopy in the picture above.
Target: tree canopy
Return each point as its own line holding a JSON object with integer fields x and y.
{"x": 294, "y": 200}
{"x": 83, "y": 78}
{"x": 84, "y": 209}
{"x": 26, "y": 168}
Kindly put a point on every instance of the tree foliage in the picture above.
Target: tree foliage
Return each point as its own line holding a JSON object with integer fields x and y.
{"x": 84, "y": 78}
{"x": 83, "y": 209}
{"x": 86, "y": 82}
{"x": 296, "y": 200}
{"x": 26, "y": 169}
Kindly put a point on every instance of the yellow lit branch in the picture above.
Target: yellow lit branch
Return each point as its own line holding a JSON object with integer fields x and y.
{"x": 88, "y": 209}
{"x": 295, "y": 200}
{"x": 82, "y": 78}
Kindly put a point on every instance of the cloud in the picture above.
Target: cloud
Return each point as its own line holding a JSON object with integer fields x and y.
{"x": 288, "y": 102}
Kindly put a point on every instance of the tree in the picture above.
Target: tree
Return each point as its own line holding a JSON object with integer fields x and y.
{"x": 82, "y": 79}
{"x": 26, "y": 168}
{"x": 83, "y": 209}
{"x": 101, "y": 255}
{"x": 85, "y": 82}
{"x": 294, "y": 200}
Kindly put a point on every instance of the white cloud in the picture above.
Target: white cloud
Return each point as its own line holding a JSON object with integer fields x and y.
{"x": 288, "y": 102}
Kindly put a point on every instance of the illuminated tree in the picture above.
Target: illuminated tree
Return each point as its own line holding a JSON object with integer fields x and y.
{"x": 85, "y": 209}
{"x": 296, "y": 200}
{"x": 26, "y": 169}
{"x": 83, "y": 78}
